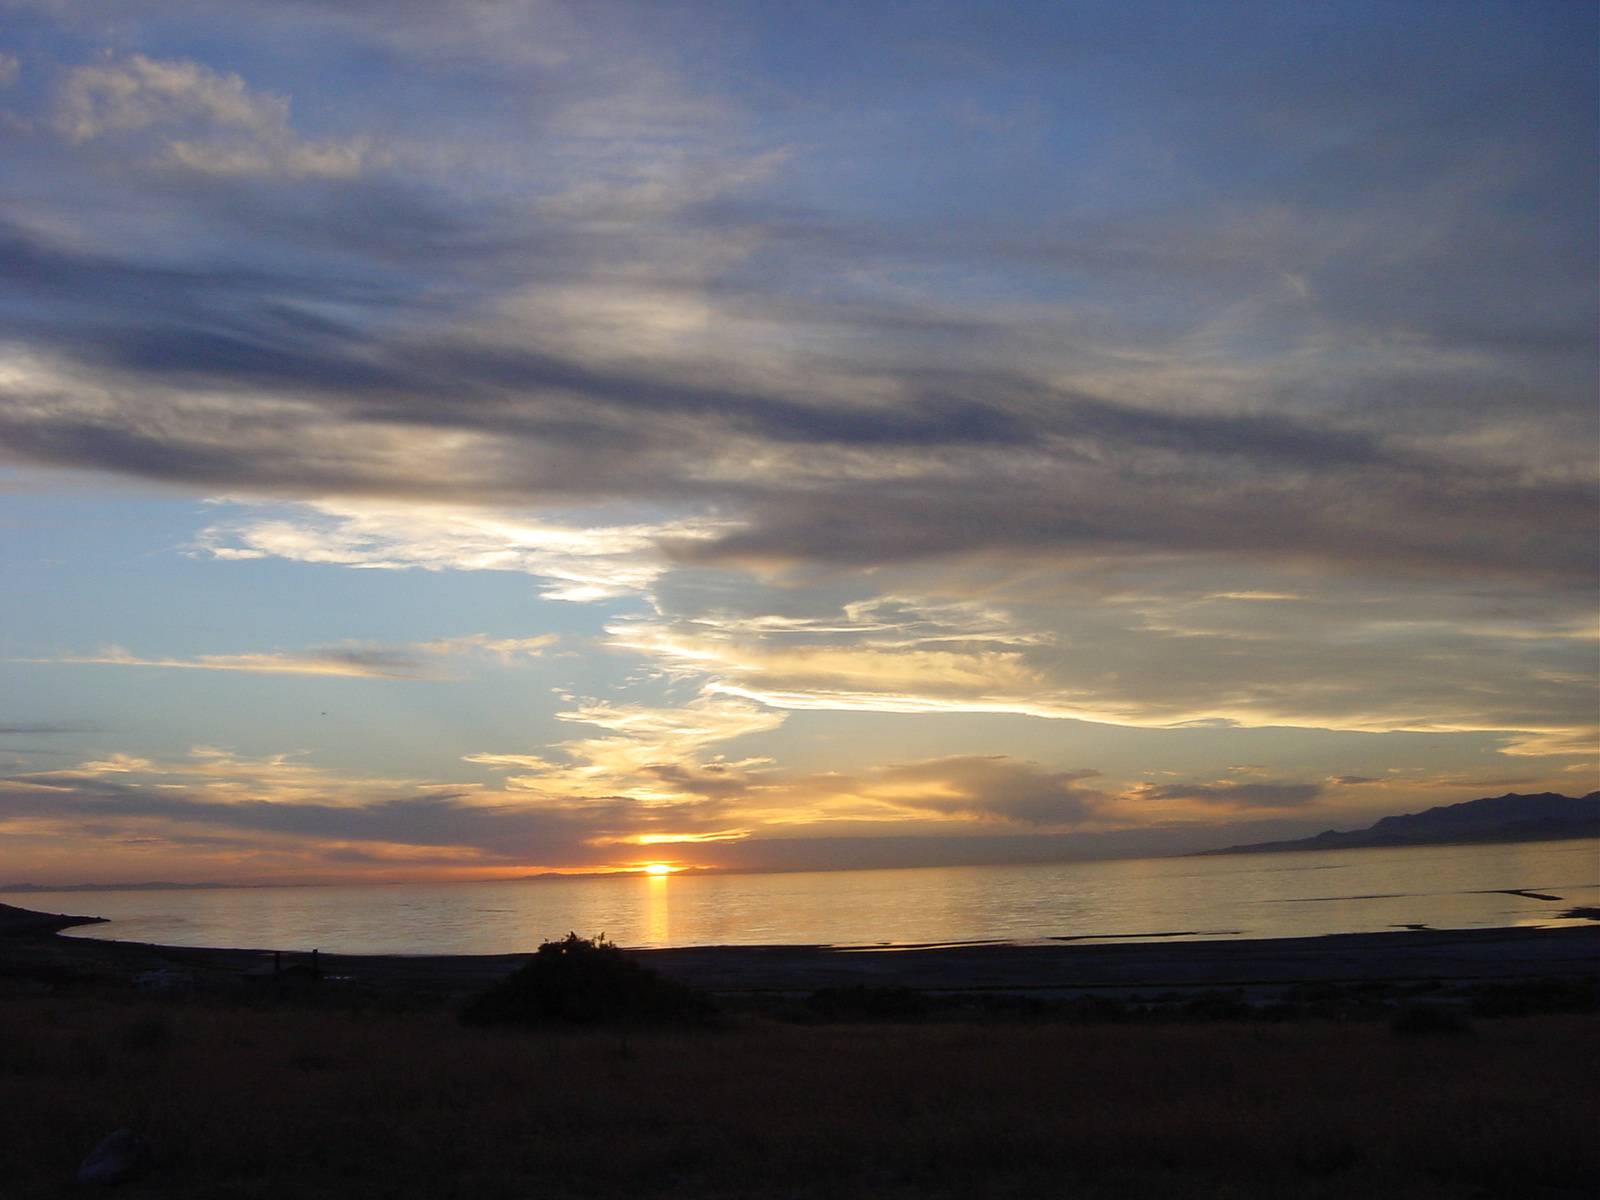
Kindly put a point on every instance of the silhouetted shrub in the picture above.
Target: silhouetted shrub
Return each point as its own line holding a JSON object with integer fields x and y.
{"x": 864, "y": 1002}
{"x": 1430, "y": 1020}
{"x": 576, "y": 981}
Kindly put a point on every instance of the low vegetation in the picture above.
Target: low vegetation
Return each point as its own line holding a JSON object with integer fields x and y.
{"x": 579, "y": 982}
{"x": 241, "y": 1101}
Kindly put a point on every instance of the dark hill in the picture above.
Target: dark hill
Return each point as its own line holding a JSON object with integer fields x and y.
{"x": 1540, "y": 817}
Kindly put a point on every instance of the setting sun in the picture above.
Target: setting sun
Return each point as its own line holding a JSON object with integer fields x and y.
{"x": 658, "y": 869}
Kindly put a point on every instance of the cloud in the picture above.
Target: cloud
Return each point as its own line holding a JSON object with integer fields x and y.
{"x": 1141, "y": 643}
{"x": 669, "y": 372}
{"x": 288, "y": 814}
{"x": 989, "y": 788}
{"x": 505, "y": 651}
{"x": 650, "y": 755}
{"x": 1153, "y": 434}
{"x": 891, "y": 653}
{"x": 283, "y": 812}
{"x": 452, "y": 830}
{"x": 140, "y": 91}
{"x": 646, "y": 333}
{"x": 321, "y": 160}
{"x": 644, "y": 789}
{"x": 1269, "y": 795}
{"x": 1160, "y": 646}
{"x": 418, "y": 661}
{"x": 351, "y": 662}
{"x": 1580, "y": 739}
{"x": 943, "y": 478}
{"x": 580, "y": 562}
{"x": 241, "y": 132}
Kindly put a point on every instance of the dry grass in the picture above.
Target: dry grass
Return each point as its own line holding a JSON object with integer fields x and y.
{"x": 289, "y": 1102}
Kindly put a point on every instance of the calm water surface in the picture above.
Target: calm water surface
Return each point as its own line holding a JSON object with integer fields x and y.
{"x": 1266, "y": 895}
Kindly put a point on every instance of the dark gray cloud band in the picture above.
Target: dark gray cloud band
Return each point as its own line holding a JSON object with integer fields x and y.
{"x": 1353, "y": 329}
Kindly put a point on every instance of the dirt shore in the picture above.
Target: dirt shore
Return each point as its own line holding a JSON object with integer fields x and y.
{"x": 29, "y": 944}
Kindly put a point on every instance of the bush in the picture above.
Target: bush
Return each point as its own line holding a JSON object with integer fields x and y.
{"x": 579, "y": 982}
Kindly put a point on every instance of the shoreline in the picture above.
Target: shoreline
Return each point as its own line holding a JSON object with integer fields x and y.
{"x": 1057, "y": 969}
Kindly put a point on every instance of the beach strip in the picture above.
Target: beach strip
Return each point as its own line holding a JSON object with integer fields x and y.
{"x": 1059, "y": 969}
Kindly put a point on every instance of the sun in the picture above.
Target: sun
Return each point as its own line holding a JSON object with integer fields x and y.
{"x": 657, "y": 869}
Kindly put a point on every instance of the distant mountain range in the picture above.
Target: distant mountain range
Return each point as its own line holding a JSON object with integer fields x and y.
{"x": 1543, "y": 816}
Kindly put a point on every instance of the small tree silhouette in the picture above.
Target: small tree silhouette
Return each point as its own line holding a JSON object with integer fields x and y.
{"x": 578, "y": 981}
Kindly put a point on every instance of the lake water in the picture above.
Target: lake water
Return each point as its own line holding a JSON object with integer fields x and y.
{"x": 1231, "y": 896}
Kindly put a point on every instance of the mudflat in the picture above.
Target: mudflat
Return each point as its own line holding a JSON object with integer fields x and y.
{"x": 1054, "y": 969}
{"x": 1075, "y": 968}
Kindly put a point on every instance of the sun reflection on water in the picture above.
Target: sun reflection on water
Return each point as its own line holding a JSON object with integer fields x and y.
{"x": 657, "y": 916}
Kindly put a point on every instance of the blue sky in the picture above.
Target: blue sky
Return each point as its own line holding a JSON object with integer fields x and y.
{"x": 477, "y": 438}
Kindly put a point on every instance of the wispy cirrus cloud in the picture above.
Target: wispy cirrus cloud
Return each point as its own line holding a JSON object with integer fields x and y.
{"x": 1156, "y": 648}
{"x": 650, "y": 755}
{"x": 368, "y": 663}
{"x": 1128, "y": 644}
{"x": 578, "y": 561}
{"x": 422, "y": 660}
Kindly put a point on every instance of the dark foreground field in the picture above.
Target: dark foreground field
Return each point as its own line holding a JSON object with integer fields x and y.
{"x": 1395, "y": 1065}
{"x": 286, "y": 1101}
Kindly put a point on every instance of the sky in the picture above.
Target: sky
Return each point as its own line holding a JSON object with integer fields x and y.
{"x": 470, "y": 439}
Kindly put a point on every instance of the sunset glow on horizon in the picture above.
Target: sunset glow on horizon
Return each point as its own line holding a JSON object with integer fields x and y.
{"x": 463, "y": 442}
